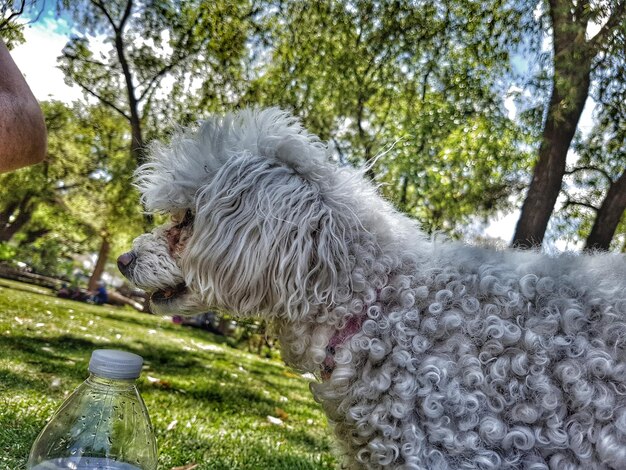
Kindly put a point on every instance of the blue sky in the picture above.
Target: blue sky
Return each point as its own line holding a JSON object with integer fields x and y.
{"x": 59, "y": 24}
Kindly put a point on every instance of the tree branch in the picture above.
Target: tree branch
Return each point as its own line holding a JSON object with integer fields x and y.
{"x": 14, "y": 14}
{"x": 103, "y": 9}
{"x": 21, "y": 9}
{"x": 384, "y": 119}
{"x": 74, "y": 57}
{"x": 571, "y": 202}
{"x": 581, "y": 6}
{"x": 342, "y": 158}
{"x": 182, "y": 45}
{"x": 104, "y": 100}
{"x": 148, "y": 102}
{"x": 126, "y": 15}
{"x": 591, "y": 168}
{"x": 616, "y": 16}
{"x": 67, "y": 187}
{"x": 117, "y": 28}
{"x": 156, "y": 78}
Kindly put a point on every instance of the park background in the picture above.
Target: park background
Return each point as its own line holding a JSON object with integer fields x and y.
{"x": 501, "y": 122}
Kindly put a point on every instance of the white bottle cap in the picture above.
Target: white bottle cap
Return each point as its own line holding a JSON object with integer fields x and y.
{"x": 114, "y": 364}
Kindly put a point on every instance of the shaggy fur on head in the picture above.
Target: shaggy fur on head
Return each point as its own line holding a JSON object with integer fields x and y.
{"x": 431, "y": 355}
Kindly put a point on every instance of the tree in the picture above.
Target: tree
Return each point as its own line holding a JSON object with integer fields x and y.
{"x": 12, "y": 19}
{"x": 596, "y": 194}
{"x": 577, "y": 60}
{"x": 106, "y": 202}
{"x": 157, "y": 51}
{"x": 401, "y": 87}
{"x": 24, "y": 190}
{"x": 32, "y": 207}
{"x": 608, "y": 216}
{"x": 81, "y": 197}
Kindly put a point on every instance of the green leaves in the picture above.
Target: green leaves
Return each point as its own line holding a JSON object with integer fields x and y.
{"x": 82, "y": 189}
{"x": 406, "y": 81}
{"x": 12, "y": 22}
{"x": 416, "y": 87}
{"x": 363, "y": 74}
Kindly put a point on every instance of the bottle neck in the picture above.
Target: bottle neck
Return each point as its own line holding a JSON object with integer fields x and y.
{"x": 104, "y": 382}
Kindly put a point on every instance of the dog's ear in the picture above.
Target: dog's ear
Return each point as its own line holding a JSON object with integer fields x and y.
{"x": 276, "y": 134}
{"x": 267, "y": 239}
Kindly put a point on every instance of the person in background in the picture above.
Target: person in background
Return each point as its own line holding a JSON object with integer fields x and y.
{"x": 101, "y": 296}
{"x": 23, "y": 138}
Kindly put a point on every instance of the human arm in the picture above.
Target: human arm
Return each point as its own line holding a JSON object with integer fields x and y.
{"x": 23, "y": 137}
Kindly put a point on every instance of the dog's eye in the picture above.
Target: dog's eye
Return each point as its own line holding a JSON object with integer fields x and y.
{"x": 187, "y": 219}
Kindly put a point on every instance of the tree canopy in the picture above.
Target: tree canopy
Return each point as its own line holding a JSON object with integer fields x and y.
{"x": 404, "y": 83}
{"x": 458, "y": 110}
{"x": 81, "y": 193}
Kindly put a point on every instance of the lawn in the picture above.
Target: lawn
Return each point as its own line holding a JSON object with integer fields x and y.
{"x": 209, "y": 402}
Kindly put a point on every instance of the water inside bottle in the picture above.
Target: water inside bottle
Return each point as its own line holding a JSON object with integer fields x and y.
{"x": 84, "y": 463}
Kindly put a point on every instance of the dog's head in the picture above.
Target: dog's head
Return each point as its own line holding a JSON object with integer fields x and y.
{"x": 260, "y": 219}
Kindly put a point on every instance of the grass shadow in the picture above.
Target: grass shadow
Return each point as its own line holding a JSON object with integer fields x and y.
{"x": 219, "y": 396}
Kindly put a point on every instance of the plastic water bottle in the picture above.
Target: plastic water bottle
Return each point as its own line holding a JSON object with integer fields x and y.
{"x": 103, "y": 425}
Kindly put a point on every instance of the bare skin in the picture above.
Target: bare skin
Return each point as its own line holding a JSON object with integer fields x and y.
{"x": 23, "y": 138}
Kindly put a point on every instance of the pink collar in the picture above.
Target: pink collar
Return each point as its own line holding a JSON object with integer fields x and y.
{"x": 340, "y": 337}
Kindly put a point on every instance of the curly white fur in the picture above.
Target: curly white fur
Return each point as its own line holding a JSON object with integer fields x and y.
{"x": 457, "y": 357}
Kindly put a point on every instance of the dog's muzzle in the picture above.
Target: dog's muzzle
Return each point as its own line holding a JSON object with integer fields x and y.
{"x": 125, "y": 262}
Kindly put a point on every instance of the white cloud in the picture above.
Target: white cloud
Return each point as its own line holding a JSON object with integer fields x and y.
{"x": 585, "y": 123}
{"x": 37, "y": 59}
{"x": 502, "y": 226}
{"x": 594, "y": 28}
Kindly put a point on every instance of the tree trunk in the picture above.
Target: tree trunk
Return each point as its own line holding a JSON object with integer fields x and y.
{"x": 136, "y": 141}
{"x": 570, "y": 89}
{"x": 548, "y": 174}
{"x": 608, "y": 217}
{"x": 9, "y": 231}
{"x": 403, "y": 192}
{"x": 103, "y": 255}
{"x": 6, "y": 213}
{"x": 34, "y": 235}
{"x": 136, "y": 144}
{"x": 24, "y": 213}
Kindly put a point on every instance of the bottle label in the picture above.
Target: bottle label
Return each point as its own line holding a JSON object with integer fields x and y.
{"x": 84, "y": 463}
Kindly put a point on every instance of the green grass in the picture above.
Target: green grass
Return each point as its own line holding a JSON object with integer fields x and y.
{"x": 209, "y": 406}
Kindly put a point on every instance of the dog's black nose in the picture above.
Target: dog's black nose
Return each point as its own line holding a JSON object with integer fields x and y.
{"x": 125, "y": 261}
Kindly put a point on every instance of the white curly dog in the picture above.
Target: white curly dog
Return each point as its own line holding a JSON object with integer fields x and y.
{"x": 430, "y": 355}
